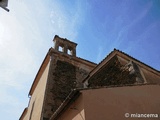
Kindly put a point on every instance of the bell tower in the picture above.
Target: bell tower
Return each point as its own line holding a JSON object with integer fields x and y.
{"x": 60, "y": 73}
{"x": 65, "y": 46}
{"x": 66, "y": 73}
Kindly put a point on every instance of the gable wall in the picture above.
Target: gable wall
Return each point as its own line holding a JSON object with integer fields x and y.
{"x": 150, "y": 76}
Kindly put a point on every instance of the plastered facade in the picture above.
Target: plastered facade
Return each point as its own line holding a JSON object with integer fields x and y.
{"x": 36, "y": 101}
{"x": 113, "y": 103}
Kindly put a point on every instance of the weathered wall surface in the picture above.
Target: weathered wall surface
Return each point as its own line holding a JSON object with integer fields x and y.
{"x": 36, "y": 101}
{"x": 75, "y": 111}
{"x": 61, "y": 80}
{"x": 149, "y": 75}
{"x": 113, "y": 103}
{"x": 119, "y": 71}
{"x": 64, "y": 75}
{"x": 112, "y": 74}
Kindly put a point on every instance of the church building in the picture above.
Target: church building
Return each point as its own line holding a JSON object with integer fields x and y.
{"x": 68, "y": 87}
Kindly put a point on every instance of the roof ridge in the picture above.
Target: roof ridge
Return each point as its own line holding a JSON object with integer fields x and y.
{"x": 136, "y": 59}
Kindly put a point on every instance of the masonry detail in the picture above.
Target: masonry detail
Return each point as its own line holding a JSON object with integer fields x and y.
{"x": 64, "y": 75}
{"x": 66, "y": 45}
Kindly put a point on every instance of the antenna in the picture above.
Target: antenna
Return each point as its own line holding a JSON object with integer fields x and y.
{"x": 4, "y": 4}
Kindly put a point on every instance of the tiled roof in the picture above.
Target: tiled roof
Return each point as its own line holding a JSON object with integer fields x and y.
{"x": 114, "y": 51}
{"x": 136, "y": 60}
{"x": 128, "y": 56}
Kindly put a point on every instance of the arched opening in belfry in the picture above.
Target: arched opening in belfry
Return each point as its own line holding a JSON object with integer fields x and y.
{"x": 65, "y": 46}
{"x": 60, "y": 48}
{"x": 69, "y": 51}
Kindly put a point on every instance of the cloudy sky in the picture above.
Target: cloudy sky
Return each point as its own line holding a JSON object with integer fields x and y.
{"x": 98, "y": 26}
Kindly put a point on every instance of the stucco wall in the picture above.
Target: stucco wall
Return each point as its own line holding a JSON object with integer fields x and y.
{"x": 151, "y": 77}
{"x": 37, "y": 98}
{"x": 75, "y": 111}
{"x": 113, "y": 103}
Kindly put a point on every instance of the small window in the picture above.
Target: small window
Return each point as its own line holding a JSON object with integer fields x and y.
{"x": 69, "y": 52}
{"x": 60, "y": 49}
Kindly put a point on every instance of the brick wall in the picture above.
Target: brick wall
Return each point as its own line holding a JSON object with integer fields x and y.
{"x": 112, "y": 74}
{"x": 63, "y": 77}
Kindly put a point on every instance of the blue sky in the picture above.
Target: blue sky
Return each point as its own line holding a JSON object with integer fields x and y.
{"x": 98, "y": 26}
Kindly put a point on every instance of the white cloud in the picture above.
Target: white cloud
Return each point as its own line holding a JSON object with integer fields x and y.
{"x": 123, "y": 32}
{"x": 15, "y": 57}
{"x": 66, "y": 24}
{"x": 19, "y": 39}
{"x": 23, "y": 39}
